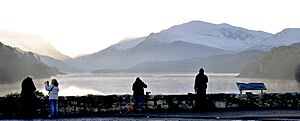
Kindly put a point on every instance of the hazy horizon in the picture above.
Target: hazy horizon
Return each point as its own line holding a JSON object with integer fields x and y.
{"x": 90, "y": 26}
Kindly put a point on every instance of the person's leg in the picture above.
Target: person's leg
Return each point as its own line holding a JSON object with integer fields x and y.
{"x": 197, "y": 101}
{"x": 56, "y": 107}
{"x": 201, "y": 100}
{"x": 51, "y": 106}
{"x": 135, "y": 101}
{"x": 141, "y": 101}
{"x": 136, "y": 98}
{"x": 26, "y": 109}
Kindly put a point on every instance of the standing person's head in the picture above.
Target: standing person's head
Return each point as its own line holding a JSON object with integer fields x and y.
{"x": 201, "y": 71}
{"x": 54, "y": 82}
{"x": 138, "y": 79}
{"x": 26, "y": 82}
{"x": 27, "y": 86}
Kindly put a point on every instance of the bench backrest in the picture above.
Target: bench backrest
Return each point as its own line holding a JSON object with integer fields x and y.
{"x": 251, "y": 86}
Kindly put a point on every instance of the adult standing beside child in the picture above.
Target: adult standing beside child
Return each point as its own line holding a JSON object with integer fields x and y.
{"x": 53, "y": 96}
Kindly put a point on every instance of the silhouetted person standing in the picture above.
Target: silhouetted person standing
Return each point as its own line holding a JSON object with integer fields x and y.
{"x": 200, "y": 86}
{"x": 28, "y": 97}
{"x": 138, "y": 93}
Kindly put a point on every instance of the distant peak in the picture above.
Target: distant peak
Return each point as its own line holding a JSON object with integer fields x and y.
{"x": 225, "y": 25}
{"x": 291, "y": 30}
{"x": 199, "y": 22}
{"x": 207, "y": 23}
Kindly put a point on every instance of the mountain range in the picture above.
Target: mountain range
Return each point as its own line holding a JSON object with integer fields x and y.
{"x": 222, "y": 36}
{"x": 31, "y": 42}
{"x": 227, "y": 63}
{"x": 16, "y": 65}
{"x": 181, "y": 48}
{"x": 40, "y": 47}
{"x": 144, "y": 52}
{"x": 60, "y": 65}
{"x": 195, "y": 40}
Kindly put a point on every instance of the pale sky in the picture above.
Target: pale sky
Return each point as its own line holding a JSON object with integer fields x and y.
{"x": 77, "y": 27}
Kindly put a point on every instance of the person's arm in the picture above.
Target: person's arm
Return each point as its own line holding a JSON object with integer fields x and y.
{"x": 145, "y": 85}
{"x": 47, "y": 87}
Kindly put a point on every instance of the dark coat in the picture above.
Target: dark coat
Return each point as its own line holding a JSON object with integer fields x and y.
{"x": 201, "y": 81}
{"x": 138, "y": 87}
{"x": 29, "y": 99}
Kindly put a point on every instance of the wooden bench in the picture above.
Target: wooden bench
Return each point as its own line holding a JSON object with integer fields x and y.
{"x": 251, "y": 86}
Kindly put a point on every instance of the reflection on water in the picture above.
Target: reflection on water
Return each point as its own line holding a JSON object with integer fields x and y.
{"x": 158, "y": 83}
{"x": 79, "y": 91}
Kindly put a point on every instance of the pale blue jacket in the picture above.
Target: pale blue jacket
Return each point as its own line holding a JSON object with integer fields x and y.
{"x": 53, "y": 91}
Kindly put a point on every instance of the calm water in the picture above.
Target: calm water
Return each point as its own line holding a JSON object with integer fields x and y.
{"x": 120, "y": 83}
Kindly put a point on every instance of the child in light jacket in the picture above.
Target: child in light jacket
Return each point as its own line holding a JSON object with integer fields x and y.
{"x": 53, "y": 96}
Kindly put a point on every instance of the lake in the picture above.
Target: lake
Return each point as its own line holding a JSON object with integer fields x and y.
{"x": 158, "y": 83}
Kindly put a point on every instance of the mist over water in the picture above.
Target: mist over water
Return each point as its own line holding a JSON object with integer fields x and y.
{"x": 158, "y": 83}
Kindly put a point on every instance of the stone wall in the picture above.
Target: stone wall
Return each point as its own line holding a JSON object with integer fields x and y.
{"x": 97, "y": 105}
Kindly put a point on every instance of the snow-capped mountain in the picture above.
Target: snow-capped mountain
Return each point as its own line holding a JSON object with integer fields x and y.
{"x": 285, "y": 37}
{"x": 185, "y": 41}
{"x": 223, "y": 36}
{"x": 31, "y": 42}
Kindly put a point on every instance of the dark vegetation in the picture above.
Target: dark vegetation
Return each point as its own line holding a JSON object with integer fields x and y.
{"x": 279, "y": 63}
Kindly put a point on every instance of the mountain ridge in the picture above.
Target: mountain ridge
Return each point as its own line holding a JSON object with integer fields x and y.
{"x": 16, "y": 65}
{"x": 222, "y": 36}
{"x": 31, "y": 42}
{"x": 110, "y": 58}
{"x": 228, "y": 38}
{"x": 227, "y": 63}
